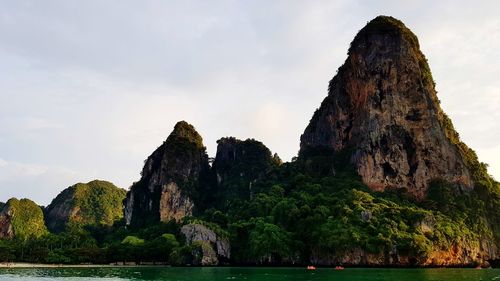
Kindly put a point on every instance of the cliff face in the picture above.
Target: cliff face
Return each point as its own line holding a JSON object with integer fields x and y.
{"x": 464, "y": 251}
{"x": 382, "y": 107}
{"x": 93, "y": 203}
{"x": 6, "y": 230}
{"x": 172, "y": 179}
{"x": 239, "y": 164}
{"x": 456, "y": 256}
{"x": 21, "y": 218}
{"x": 211, "y": 250}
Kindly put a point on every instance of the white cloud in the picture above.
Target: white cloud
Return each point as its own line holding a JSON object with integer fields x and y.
{"x": 38, "y": 182}
{"x": 490, "y": 156}
{"x": 96, "y": 87}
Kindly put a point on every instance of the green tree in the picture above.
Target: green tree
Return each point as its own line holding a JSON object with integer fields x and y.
{"x": 269, "y": 242}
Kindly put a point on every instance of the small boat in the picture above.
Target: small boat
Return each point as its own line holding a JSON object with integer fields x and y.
{"x": 338, "y": 267}
{"x": 311, "y": 267}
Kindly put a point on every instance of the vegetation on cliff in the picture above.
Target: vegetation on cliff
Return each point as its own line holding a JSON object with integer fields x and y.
{"x": 180, "y": 164}
{"x": 24, "y": 218}
{"x": 305, "y": 217}
{"x": 83, "y": 204}
{"x": 237, "y": 166}
{"x": 482, "y": 205}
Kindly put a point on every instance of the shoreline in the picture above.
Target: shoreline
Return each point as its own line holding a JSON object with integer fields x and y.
{"x": 46, "y": 265}
{"x": 4, "y": 265}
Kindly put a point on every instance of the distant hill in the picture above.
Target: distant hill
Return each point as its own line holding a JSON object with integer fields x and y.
{"x": 93, "y": 203}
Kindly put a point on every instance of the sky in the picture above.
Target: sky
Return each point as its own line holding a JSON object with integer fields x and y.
{"x": 88, "y": 89}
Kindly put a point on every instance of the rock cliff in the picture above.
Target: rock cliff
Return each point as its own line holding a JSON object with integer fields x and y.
{"x": 382, "y": 108}
{"x": 212, "y": 247}
{"x": 172, "y": 179}
{"x": 456, "y": 256}
{"x": 460, "y": 252}
{"x": 22, "y": 219}
{"x": 238, "y": 165}
{"x": 93, "y": 203}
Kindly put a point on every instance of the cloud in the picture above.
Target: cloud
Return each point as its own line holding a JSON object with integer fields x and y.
{"x": 490, "y": 156}
{"x": 38, "y": 182}
{"x": 90, "y": 90}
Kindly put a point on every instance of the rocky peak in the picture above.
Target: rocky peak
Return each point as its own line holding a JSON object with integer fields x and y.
{"x": 232, "y": 152}
{"x": 382, "y": 107}
{"x": 171, "y": 179}
{"x": 185, "y": 132}
{"x": 384, "y": 35}
{"x": 239, "y": 164}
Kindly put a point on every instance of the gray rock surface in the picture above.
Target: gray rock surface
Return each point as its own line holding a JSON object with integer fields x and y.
{"x": 173, "y": 204}
{"x": 6, "y": 230}
{"x": 170, "y": 176}
{"x": 382, "y": 106}
{"x": 213, "y": 248}
{"x": 239, "y": 164}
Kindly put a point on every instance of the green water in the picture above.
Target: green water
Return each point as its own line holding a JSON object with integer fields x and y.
{"x": 248, "y": 274}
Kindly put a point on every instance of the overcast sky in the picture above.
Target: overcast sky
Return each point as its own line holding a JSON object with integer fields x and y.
{"x": 88, "y": 89}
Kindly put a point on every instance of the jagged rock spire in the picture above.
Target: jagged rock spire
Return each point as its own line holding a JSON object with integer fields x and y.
{"x": 170, "y": 179}
{"x": 382, "y": 107}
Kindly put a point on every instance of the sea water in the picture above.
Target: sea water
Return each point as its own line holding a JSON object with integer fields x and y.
{"x": 247, "y": 274}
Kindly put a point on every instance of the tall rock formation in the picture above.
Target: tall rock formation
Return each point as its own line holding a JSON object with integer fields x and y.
{"x": 22, "y": 219}
{"x": 382, "y": 108}
{"x": 172, "y": 179}
{"x": 93, "y": 203}
{"x": 239, "y": 164}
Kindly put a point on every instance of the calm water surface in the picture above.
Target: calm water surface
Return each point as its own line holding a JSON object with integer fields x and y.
{"x": 248, "y": 274}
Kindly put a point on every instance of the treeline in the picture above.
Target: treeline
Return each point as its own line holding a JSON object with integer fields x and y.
{"x": 101, "y": 245}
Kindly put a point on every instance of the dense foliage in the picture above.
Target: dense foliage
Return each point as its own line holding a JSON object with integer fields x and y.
{"x": 100, "y": 245}
{"x": 484, "y": 201}
{"x": 302, "y": 217}
{"x": 238, "y": 165}
{"x": 99, "y": 203}
{"x": 93, "y": 203}
{"x": 26, "y": 218}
